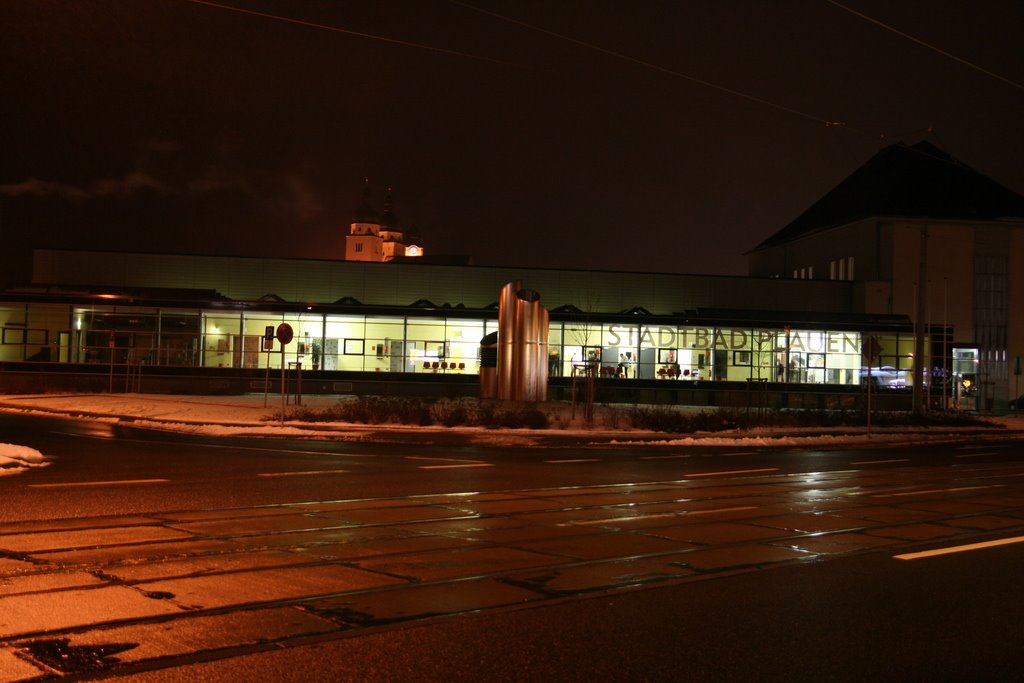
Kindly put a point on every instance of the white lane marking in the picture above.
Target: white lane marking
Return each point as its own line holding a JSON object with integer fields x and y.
{"x": 451, "y": 467}
{"x": 662, "y": 457}
{"x": 716, "y": 474}
{"x": 729, "y": 455}
{"x": 299, "y": 474}
{"x": 99, "y": 483}
{"x": 657, "y": 516}
{"x": 555, "y": 462}
{"x": 921, "y": 493}
{"x": 879, "y": 462}
{"x": 228, "y": 446}
{"x": 959, "y": 548}
{"x": 417, "y": 457}
{"x": 975, "y": 455}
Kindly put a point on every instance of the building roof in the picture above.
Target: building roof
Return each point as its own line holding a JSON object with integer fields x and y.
{"x": 916, "y": 181}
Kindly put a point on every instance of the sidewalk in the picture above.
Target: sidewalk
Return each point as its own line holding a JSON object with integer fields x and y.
{"x": 253, "y": 415}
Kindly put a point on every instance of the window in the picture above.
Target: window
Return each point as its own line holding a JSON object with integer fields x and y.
{"x": 842, "y": 269}
{"x": 359, "y": 247}
{"x": 810, "y": 272}
{"x": 832, "y": 270}
{"x": 849, "y": 269}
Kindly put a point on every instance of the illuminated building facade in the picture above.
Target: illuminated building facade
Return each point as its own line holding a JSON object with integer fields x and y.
{"x": 360, "y": 320}
{"x": 918, "y": 232}
{"x": 832, "y": 303}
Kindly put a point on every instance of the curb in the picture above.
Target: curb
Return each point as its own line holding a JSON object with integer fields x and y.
{"x": 550, "y": 438}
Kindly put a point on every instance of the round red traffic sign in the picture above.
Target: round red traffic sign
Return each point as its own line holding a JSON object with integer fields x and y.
{"x": 284, "y": 333}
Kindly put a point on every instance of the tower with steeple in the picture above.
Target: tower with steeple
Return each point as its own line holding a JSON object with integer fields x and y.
{"x": 376, "y": 237}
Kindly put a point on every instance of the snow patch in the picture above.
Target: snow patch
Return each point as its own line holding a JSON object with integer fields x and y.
{"x": 15, "y": 458}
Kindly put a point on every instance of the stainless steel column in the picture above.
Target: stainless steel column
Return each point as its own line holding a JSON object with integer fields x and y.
{"x": 507, "y": 339}
{"x": 522, "y": 345}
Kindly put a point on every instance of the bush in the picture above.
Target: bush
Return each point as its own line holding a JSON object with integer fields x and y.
{"x": 499, "y": 414}
{"x": 423, "y": 412}
{"x": 451, "y": 413}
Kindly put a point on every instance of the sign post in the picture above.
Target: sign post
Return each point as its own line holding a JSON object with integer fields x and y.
{"x": 110, "y": 346}
{"x": 268, "y": 346}
{"x": 1016, "y": 384}
{"x": 284, "y": 335}
{"x": 870, "y": 349}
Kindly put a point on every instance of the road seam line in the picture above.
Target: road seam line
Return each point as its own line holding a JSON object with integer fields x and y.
{"x": 99, "y": 483}
{"x": 879, "y": 462}
{"x": 451, "y": 467}
{"x": 298, "y": 474}
{"x": 921, "y": 493}
{"x": 713, "y": 474}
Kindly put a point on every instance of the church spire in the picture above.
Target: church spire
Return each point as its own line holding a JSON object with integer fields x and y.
{"x": 388, "y": 219}
{"x": 366, "y": 213}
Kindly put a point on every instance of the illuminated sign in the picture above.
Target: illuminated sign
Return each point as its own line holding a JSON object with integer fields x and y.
{"x": 733, "y": 340}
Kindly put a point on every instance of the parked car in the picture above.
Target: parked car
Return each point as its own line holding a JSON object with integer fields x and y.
{"x": 885, "y": 376}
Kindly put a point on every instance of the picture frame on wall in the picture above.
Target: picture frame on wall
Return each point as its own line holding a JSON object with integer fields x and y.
{"x": 741, "y": 357}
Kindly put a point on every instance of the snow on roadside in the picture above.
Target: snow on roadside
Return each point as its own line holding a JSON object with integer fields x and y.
{"x": 15, "y": 458}
{"x": 823, "y": 440}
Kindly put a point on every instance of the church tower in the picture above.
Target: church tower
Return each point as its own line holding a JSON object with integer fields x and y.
{"x": 376, "y": 237}
{"x": 363, "y": 241}
{"x": 392, "y": 241}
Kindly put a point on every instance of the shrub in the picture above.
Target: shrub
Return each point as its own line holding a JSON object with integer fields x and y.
{"x": 497, "y": 414}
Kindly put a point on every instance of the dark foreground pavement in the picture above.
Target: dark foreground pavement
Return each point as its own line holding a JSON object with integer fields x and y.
{"x": 873, "y": 617}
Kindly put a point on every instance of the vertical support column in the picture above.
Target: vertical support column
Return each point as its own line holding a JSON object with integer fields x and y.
{"x": 506, "y": 339}
{"x": 530, "y": 348}
{"x": 522, "y": 364}
{"x": 919, "y": 323}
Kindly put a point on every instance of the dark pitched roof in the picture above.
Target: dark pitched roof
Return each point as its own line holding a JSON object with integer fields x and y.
{"x": 919, "y": 181}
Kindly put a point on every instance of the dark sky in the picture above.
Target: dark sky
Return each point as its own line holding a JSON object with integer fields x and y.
{"x": 170, "y": 125}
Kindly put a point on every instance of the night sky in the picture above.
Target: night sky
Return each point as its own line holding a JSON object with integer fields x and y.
{"x": 649, "y": 136}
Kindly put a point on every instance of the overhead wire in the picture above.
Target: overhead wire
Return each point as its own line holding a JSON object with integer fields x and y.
{"x": 336, "y": 29}
{"x": 829, "y": 123}
{"x": 736, "y": 93}
{"x": 922, "y": 43}
{"x": 661, "y": 69}
{"x": 457, "y": 53}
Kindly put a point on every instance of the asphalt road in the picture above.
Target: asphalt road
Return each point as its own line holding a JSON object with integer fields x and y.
{"x": 207, "y": 559}
{"x": 176, "y": 471}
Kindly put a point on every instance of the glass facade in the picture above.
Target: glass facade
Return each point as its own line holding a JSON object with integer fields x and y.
{"x": 434, "y": 342}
